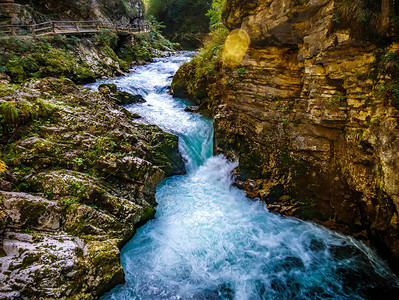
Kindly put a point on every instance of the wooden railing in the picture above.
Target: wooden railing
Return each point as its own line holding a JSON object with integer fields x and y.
{"x": 69, "y": 27}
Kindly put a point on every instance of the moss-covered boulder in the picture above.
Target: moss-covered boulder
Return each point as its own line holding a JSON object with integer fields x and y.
{"x": 107, "y": 88}
{"x": 124, "y": 98}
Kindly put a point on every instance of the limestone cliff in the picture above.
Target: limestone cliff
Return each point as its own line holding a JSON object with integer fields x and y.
{"x": 312, "y": 114}
{"x": 34, "y": 11}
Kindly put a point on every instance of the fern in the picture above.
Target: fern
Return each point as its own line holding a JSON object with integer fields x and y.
{"x": 9, "y": 113}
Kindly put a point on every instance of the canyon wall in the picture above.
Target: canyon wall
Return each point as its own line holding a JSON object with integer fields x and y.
{"x": 33, "y": 11}
{"x": 311, "y": 113}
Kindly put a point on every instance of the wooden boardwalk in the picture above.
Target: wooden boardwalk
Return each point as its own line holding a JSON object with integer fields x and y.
{"x": 69, "y": 27}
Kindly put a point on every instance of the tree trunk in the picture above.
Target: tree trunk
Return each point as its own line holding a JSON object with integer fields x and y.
{"x": 386, "y": 15}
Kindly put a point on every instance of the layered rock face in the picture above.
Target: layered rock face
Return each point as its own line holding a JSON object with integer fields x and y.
{"x": 28, "y": 11}
{"x": 314, "y": 137}
{"x": 81, "y": 178}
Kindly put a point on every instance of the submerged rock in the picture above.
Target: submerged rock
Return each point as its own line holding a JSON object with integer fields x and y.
{"x": 136, "y": 116}
{"x": 84, "y": 177}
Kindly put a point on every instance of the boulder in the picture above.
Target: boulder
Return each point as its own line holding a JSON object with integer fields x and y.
{"x": 192, "y": 109}
{"x": 27, "y": 211}
{"x": 107, "y": 88}
{"x": 127, "y": 98}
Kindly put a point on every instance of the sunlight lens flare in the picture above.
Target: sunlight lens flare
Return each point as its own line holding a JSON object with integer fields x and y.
{"x": 235, "y": 47}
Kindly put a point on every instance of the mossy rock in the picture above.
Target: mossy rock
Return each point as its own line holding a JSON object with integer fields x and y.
{"x": 166, "y": 153}
{"x": 3, "y": 221}
{"x": 124, "y": 98}
{"x": 107, "y": 88}
{"x": 180, "y": 81}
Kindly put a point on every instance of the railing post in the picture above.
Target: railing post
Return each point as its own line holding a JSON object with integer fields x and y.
{"x": 76, "y": 27}
{"x": 33, "y": 31}
{"x": 13, "y": 32}
{"x": 53, "y": 27}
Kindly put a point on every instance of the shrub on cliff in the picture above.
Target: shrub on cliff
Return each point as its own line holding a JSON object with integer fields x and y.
{"x": 365, "y": 18}
{"x": 196, "y": 75}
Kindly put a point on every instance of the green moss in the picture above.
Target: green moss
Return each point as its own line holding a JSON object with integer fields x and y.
{"x": 107, "y": 38}
{"x": 30, "y": 212}
{"x": 9, "y": 113}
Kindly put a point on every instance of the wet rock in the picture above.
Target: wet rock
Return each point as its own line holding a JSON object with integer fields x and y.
{"x": 124, "y": 98}
{"x": 35, "y": 260}
{"x": 107, "y": 88}
{"x": 27, "y": 211}
{"x": 192, "y": 109}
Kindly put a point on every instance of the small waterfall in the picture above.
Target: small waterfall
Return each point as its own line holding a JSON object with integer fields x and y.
{"x": 208, "y": 241}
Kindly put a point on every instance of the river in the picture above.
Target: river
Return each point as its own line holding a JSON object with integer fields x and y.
{"x": 208, "y": 241}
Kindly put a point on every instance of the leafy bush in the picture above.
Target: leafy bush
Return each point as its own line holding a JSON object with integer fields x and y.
{"x": 203, "y": 68}
{"x": 386, "y": 76}
{"x": 107, "y": 38}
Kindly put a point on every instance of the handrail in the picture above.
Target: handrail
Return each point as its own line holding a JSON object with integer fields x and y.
{"x": 75, "y": 27}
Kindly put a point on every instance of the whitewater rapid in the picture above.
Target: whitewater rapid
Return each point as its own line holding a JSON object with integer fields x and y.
{"x": 208, "y": 241}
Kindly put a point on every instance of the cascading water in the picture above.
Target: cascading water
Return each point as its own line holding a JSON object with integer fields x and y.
{"x": 208, "y": 241}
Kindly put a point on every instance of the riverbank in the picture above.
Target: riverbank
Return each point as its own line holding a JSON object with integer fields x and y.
{"x": 81, "y": 58}
{"x": 81, "y": 177}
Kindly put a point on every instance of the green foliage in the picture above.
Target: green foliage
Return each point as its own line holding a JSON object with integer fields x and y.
{"x": 46, "y": 57}
{"x": 185, "y": 20}
{"x": 15, "y": 114}
{"x": 337, "y": 100}
{"x": 215, "y": 14}
{"x": 363, "y": 17}
{"x": 386, "y": 76}
{"x": 241, "y": 71}
{"x": 121, "y": 8}
{"x": 145, "y": 44}
{"x": 107, "y": 38}
{"x": 208, "y": 58}
{"x": 203, "y": 68}
{"x": 9, "y": 112}
{"x": 3, "y": 166}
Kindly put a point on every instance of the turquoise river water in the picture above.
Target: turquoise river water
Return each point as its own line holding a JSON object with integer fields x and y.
{"x": 208, "y": 241}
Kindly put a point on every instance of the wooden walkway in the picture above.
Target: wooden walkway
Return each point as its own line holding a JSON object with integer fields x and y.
{"x": 69, "y": 27}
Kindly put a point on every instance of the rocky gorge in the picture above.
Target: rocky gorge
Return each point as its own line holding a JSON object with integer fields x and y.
{"x": 311, "y": 112}
{"x": 307, "y": 117}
